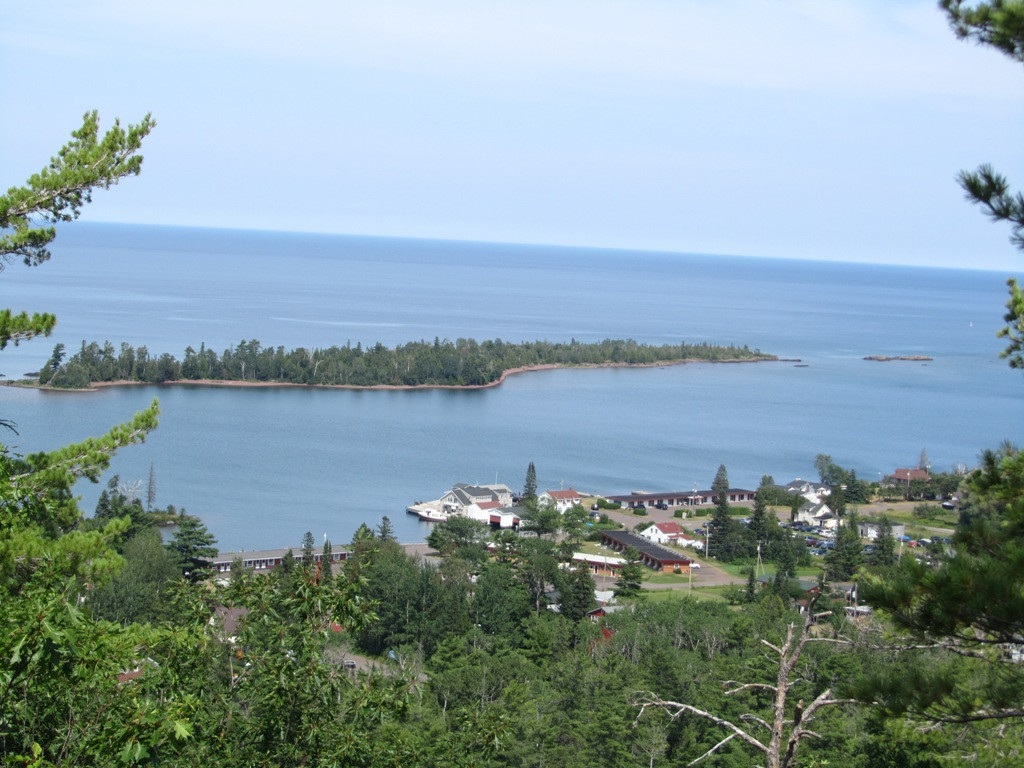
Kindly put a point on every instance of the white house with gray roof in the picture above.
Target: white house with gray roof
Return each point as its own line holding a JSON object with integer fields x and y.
{"x": 818, "y": 514}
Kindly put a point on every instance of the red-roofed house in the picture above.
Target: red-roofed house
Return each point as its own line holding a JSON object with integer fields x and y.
{"x": 671, "y": 533}
{"x": 662, "y": 533}
{"x": 905, "y": 476}
{"x": 560, "y": 500}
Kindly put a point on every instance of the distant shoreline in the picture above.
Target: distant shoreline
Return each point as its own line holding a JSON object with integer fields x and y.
{"x": 97, "y": 386}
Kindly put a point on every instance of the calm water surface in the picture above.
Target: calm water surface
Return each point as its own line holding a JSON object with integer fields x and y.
{"x": 261, "y": 466}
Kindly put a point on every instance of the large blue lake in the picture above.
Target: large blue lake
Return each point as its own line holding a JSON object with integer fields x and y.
{"x": 262, "y": 466}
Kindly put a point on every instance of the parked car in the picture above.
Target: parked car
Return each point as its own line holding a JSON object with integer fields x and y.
{"x": 661, "y": 505}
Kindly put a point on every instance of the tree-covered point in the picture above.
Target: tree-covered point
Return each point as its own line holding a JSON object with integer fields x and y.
{"x": 464, "y": 362}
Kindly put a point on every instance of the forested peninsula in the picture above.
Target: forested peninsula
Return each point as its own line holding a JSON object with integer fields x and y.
{"x": 440, "y": 363}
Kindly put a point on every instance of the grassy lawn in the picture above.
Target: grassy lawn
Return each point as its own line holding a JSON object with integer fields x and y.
{"x": 673, "y": 595}
{"x": 667, "y": 577}
{"x": 594, "y": 548}
{"x": 740, "y": 570}
{"x": 903, "y": 512}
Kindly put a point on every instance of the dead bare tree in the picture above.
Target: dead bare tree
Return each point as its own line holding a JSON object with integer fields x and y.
{"x": 785, "y": 730}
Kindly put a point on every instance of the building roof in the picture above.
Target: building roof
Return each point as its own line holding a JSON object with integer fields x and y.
{"x": 669, "y": 527}
{"x": 568, "y": 495}
{"x": 645, "y": 547}
{"x": 273, "y": 554}
{"x": 648, "y": 496}
{"x": 907, "y": 475}
{"x": 819, "y": 509}
{"x": 606, "y": 560}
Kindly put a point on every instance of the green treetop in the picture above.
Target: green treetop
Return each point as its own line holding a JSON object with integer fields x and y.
{"x": 999, "y": 24}
{"x": 530, "y": 484}
{"x": 57, "y": 194}
{"x": 193, "y": 546}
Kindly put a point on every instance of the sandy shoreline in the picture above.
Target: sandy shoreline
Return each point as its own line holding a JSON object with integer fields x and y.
{"x": 285, "y": 384}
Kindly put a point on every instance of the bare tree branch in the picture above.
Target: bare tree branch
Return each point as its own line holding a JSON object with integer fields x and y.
{"x": 646, "y": 699}
{"x": 714, "y": 749}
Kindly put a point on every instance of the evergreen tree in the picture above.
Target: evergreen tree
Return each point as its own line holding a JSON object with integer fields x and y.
{"x": 721, "y": 540}
{"x": 288, "y": 563}
{"x": 536, "y": 568}
{"x": 785, "y": 560}
{"x": 530, "y": 484}
{"x": 763, "y": 526}
{"x": 780, "y": 586}
{"x": 750, "y": 593}
{"x": 104, "y": 510}
{"x": 1000, "y": 24}
{"x": 720, "y": 490}
{"x": 307, "y": 551}
{"x": 114, "y": 503}
{"x": 884, "y": 554}
{"x": 843, "y": 560}
{"x": 57, "y": 194}
{"x": 631, "y": 575}
{"x": 385, "y": 530}
{"x": 971, "y": 600}
{"x": 576, "y": 589}
{"x": 326, "y": 563}
{"x": 837, "y": 500}
{"x": 501, "y": 601}
{"x": 193, "y": 547}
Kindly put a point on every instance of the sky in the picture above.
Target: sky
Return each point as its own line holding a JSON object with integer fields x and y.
{"x": 781, "y": 128}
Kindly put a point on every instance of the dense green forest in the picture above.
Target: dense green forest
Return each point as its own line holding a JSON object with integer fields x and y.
{"x": 464, "y": 362}
{"x": 462, "y": 662}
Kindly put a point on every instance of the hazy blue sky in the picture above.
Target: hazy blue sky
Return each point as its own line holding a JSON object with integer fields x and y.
{"x": 815, "y": 129}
